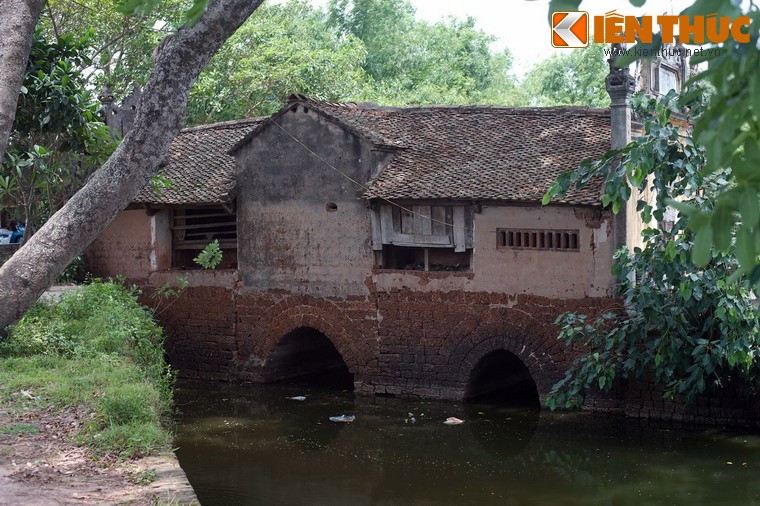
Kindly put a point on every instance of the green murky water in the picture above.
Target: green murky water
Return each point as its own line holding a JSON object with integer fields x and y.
{"x": 252, "y": 445}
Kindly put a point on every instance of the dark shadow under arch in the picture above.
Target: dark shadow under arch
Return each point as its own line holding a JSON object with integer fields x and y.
{"x": 306, "y": 356}
{"x": 500, "y": 376}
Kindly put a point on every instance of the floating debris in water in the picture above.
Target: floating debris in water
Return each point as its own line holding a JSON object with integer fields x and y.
{"x": 343, "y": 418}
{"x": 298, "y": 398}
{"x": 453, "y": 421}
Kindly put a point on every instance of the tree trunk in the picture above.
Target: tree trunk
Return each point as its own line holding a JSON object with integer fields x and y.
{"x": 159, "y": 117}
{"x": 17, "y": 21}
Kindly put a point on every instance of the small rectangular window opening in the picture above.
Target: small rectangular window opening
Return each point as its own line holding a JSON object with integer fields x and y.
{"x": 194, "y": 228}
{"x": 425, "y": 259}
{"x": 557, "y": 240}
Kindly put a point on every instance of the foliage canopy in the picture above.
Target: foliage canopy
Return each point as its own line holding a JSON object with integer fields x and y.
{"x": 58, "y": 138}
{"x": 729, "y": 130}
{"x": 693, "y": 327}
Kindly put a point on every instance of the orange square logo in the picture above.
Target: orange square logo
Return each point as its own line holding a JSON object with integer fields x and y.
{"x": 570, "y": 29}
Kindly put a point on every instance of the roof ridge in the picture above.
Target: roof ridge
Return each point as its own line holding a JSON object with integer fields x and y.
{"x": 560, "y": 109}
{"x": 327, "y": 110}
{"x": 225, "y": 124}
{"x": 302, "y": 99}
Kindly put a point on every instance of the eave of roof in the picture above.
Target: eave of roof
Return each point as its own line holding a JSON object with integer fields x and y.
{"x": 199, "y": 167}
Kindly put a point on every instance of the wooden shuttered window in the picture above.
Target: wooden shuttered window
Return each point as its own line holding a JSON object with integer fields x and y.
{"x": 423, "y": 237}
{"x": 193, "y": 229}
{"x": 436, "y": 226}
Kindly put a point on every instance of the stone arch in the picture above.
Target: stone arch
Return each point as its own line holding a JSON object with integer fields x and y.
{"x": 307, "y": 356}
{"x": 502, "y": 377}
{"x": 472, "y": 349}
{"x": 278, "y": 320}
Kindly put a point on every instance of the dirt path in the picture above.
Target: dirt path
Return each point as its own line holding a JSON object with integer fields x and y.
{"x": 41, "y": 465}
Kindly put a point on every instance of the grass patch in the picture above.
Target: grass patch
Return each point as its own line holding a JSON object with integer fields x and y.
{"x": 18, "y": 429}
{"x": 144, "y": 477}
{"x": 99, "y": 350}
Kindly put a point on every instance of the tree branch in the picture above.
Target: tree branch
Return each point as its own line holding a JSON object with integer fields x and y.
{"x": 17, "y": 22}
{"x": 159, "y": 118}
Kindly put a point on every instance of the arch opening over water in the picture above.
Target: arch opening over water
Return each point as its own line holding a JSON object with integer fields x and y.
{"x": 305, "y": 356}
{"x": 501, "y": 377}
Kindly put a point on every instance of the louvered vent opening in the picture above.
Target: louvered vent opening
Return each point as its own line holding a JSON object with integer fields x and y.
{"x": 557, "y": 240}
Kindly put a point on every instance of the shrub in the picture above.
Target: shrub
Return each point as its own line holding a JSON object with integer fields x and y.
{"x": 96, "y": 347}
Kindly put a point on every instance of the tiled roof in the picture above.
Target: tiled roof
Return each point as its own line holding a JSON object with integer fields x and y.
{"x": 474, "y": 152}
{"x": 199, "y": 166}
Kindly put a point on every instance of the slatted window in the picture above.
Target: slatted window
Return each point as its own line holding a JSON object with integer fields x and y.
{"x": 194, "y": 229}
{"x": 557, "y": 240}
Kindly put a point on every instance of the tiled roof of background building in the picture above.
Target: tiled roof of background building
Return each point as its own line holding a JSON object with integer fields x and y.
{"x": 442, "y": 152}
{"x": 199, "y": 166}
{"x": 476, "y": 152}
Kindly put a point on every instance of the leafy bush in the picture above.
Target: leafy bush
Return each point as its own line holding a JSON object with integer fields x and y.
{"x": 688, "y": 321}
{"x": 73, "y": 273}
{"x": 97, "y": 347}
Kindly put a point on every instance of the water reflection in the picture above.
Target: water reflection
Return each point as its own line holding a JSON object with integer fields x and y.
{"x": 502, "y": 431}
{"x": 254, "y": 446}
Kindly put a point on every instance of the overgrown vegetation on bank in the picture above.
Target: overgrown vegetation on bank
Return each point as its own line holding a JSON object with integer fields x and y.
{"x": 99, "y": 352}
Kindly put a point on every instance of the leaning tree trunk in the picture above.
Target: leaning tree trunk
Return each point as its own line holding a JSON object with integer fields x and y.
{"x": 112, "y": 187}
{"x": 17, "y": 21}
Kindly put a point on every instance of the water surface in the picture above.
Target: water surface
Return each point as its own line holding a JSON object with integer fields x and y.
{"x": 252, "y": 445}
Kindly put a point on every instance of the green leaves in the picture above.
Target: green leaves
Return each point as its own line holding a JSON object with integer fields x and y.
{"x": 365, "y": 50}
{"x": 746, "y": 251}
{"x": 143, "y": 7}
{"x": 282, "y": 49}
{"x": 211, "y": 256}
{"x": 574, "y": 77}
{"x": 707, "y": 7}
{"x": 58, "y": 139}
{"x": 688, "y": 317}
{"x": 729, "y": 130}
{"x": 195, "y": 12}
{"x": 158, "y": 184}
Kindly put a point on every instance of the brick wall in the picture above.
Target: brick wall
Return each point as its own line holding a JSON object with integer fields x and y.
{"x": 728, "y": 407}
{"x": 123, "y": 248}
{"x": 406, "y": 342}
{"x": 200, "y": 331}
{"x": 398, "y": 342}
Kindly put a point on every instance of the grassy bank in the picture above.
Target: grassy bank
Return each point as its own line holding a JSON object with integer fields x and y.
{"x": 99, "y": 353}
